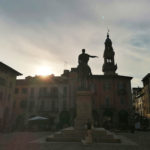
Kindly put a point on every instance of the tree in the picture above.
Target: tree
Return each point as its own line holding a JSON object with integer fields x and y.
{"x": 31, "y": 106}
{"x": 20, "y": 121}
{"x": 123, "y": 119}
{"x": 64, "y": 118}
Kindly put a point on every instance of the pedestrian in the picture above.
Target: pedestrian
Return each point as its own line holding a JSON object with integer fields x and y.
{"x": 138, "y": 125}
{"x": 132, "y": 124}
{"x": 88, "y": 136}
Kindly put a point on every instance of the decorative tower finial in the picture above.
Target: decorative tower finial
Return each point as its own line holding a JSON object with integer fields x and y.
{"x": 109, "y": 66}
{"x": 107, "y": 32}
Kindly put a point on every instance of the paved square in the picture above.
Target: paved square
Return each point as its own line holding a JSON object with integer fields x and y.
{"x": 36, "y": 141}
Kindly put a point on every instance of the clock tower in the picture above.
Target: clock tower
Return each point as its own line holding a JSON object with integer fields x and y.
{"x": 109, "y": 66}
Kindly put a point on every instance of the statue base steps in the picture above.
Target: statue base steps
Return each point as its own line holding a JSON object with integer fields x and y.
{"x": 99, "y": 135}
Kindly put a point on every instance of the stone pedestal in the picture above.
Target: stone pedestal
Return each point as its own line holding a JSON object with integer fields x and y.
{"x": 78, "y": 132}
{"x": 83, "y": 109}
{"x": 99, "y": 135}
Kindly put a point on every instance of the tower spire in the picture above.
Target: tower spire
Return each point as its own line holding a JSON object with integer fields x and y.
{"x": 109, "y": 66}
{"x": 107, "y": 32}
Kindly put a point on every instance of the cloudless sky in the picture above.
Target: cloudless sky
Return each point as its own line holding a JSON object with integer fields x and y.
{"x": 36, "y": 33}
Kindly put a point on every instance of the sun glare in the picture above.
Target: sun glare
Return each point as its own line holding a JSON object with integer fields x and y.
{"x": 44, "y": 71}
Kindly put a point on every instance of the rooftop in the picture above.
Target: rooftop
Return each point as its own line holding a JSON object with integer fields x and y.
{"x": 5, "y": 67}
{"x": 146, "y": 77}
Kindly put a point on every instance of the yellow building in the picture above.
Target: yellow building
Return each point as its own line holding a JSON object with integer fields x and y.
{"x": 141, "y": 98}
{"x": 138, "y": 100}
{"x": 146, "y": 90}
{"x": 7, "y": 87}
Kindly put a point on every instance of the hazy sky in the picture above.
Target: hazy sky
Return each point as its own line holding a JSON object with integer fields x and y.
{"x": 35, "y": 33}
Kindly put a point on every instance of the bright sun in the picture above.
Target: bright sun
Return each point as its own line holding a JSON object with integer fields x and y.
{"x": 44, "y": 70}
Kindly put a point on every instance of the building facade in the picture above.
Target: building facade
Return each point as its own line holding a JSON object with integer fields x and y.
{"x": 146, "y": 91}
{"x": 44, "y": 96}
{"x": 138, "y": 101}
{"x": 141, "y": 98}
{"x": 7, "y": 87}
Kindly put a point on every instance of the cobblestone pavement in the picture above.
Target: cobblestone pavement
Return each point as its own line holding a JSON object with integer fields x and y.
{"x": 36, "y": 141}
